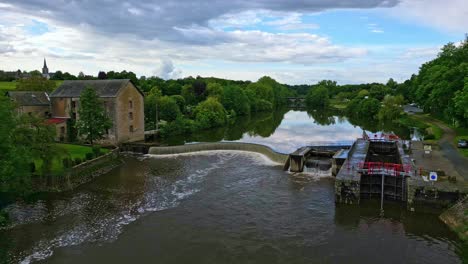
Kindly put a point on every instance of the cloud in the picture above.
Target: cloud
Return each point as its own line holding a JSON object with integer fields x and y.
{"x": 166, "y": 70}
{"x": 163, "y": 19}
{"x": 449, "y": 16}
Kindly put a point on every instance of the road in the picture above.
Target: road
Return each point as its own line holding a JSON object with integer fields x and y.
{"x": 448, "y": 148}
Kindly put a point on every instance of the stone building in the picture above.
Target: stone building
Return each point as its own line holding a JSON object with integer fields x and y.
{"x": 123, "y": 103}
{"x": 32, "y": 103}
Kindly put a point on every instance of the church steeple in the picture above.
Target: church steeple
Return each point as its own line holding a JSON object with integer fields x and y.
{"x": 45, "y": 70}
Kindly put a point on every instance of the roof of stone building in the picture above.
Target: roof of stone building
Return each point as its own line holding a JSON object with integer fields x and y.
{"x": 29, "y": 98}
{"x": 104, "y": 88}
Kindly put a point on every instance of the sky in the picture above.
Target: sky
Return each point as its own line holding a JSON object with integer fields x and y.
{"x": 295, "y": 42}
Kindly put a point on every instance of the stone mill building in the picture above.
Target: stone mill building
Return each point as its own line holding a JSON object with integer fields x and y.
{"x": 123, "y": 103}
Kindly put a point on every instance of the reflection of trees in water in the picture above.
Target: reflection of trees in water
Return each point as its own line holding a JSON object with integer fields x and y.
{"x": 374, "y": 125}
{"x": 324, "y": 117}
{"x": 261, "y": 124}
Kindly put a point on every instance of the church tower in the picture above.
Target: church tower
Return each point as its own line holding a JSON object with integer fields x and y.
{"x": 45, "y": 70}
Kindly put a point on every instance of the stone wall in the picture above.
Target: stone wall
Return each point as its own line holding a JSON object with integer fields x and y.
{"x": 457, "y": 218}
{"x": 130, "y": 113}
{"x": 80, "y": 174}
{"x": 273, "y": 155}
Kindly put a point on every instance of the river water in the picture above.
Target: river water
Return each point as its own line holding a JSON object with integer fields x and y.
{"x": 221, "y": 207}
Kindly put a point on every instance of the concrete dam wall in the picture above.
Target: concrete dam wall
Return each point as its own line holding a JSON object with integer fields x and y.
{"x": 267, "y": 151}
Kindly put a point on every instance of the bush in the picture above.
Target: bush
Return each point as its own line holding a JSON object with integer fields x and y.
{"x": 97, "y": 151}
{"x": 89, "y": 156}
{"x": 32, "y": 167}
{"x": 4, "y": 218}
{"x": 78, "y": 161}
{"x": 67, "y": 163}
{"x": 210, "y": 113}
{"x": 429, "y": 136}
{"x": 179, "y": 126}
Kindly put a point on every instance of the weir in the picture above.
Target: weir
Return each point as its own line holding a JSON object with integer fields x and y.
{"x": 369, "y": 168}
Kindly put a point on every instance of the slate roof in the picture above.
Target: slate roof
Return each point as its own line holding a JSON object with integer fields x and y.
{"x": 26, "y": 98}
{"x": 104, "y": 88}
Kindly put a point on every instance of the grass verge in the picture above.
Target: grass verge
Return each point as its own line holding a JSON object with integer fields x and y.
{"x": 462, "y": 133}
{"x": 68, "y": 150}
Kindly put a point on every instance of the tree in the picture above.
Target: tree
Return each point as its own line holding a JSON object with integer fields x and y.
{"x": 461, "y": 105}
{"x": 318, "y": 98}
{"x": 102, "y": 75}
{"x": 14, "y": 152}
{"x": 35, "y": 83}
{"x": 391, "y": 108}
{"x": 215, "y": 90}
{"x": 168, "y": 109}
{"x": 93, "y": 121}
{"x": 235, "y": 99}
{"x": 210, "y": 113}
{"x": 151, "y": 107}
{"x": 40, "y": 137}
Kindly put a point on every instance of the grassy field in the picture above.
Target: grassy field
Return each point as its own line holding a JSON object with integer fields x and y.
{"x": 71, "y": 151}
{"x": 462, "y": 133}
{"x": 9, "y": 86}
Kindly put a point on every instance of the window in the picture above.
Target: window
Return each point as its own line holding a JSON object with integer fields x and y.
{"x": 73, "y": 104}
{"x": 130, "y": 116}
{"x": 130, "y": 104}
{"x": 130, "y": 129}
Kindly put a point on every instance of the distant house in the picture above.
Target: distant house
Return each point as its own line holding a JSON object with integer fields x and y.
{"x": 123, "y": 103}
{"x": 32, "y": 103}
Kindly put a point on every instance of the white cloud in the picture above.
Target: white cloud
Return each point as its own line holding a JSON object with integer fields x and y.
{"x": 445, "y": 15}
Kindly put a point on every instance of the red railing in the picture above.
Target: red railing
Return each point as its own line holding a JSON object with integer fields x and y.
{"x": 387, "y": 168}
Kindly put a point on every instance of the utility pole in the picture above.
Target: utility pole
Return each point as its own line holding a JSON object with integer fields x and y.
{"x": 157, "y": 115}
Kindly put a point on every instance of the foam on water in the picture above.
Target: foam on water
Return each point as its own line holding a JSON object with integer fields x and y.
{"x": 107, "y": 228}
{"x": 256, "y": 158}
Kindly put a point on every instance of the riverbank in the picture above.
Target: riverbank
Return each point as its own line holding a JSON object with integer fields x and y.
{"x": 457, "y": 218}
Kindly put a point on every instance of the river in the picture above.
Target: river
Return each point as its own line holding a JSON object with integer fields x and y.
{"x": 224, "y": 207}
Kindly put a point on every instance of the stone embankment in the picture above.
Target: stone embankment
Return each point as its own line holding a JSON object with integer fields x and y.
{"x": 457, "y": 218}
{"x": 267, "y": 151}
{"x": 80, "y": 174}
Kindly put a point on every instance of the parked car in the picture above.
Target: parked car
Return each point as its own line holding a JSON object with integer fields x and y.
{"x": 462, "y": 143}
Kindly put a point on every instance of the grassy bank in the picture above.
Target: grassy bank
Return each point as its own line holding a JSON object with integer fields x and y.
{"x": 462, "y": 133}
{"x": 70, "y": 151}
{"x": 7, "y": 86}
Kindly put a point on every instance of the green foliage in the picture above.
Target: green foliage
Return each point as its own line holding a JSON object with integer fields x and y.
{"x": 89, "y": 156}
{"x": 318, "y": 98}
{"x": 151, "y": 109}
{"x": 97, "y": 151}
{"x": 4, "y": 218}
{"x": 210, "y": 113}
{"x": 180, "y": 100}
{"x": 35, "y": 83}
{"x": 168, "y": 109}
{"x": 391, "y": 108}
{"x": 7, "y": 86}
{"x": 78, "y": 161}
{"x": 67, "y": 163}
{"x": 215, "y": 90}
{"x": 14, "y": 152}
{"x": 179, "y": 126}
{"x": 189, "y": 95}
{"x": 93, "y": 122}
{"x": 234, "y": 98}
{"x": 461, "y": 105}
{"x": 363, "y": 108}
{"x": 439, "y": 82}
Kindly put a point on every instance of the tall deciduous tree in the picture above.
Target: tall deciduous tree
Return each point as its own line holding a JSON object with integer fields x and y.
{"x": 93, "y": 121}
{"x": 14, "y": 153}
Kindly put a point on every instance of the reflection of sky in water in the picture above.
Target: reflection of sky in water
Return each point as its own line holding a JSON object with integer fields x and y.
{"x": 298, "y": 129}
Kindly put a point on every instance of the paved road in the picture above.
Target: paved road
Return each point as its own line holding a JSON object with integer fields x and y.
{"x": 448, "y": 148}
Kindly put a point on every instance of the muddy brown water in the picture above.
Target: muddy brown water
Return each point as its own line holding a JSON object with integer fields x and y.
{"x": 218, "y": 207}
